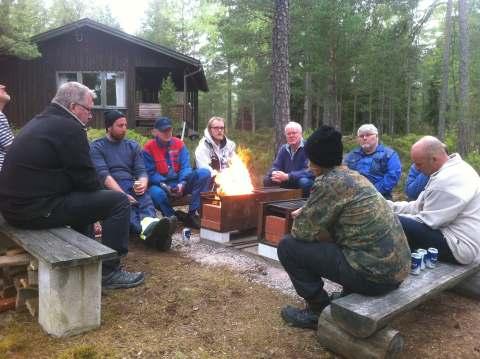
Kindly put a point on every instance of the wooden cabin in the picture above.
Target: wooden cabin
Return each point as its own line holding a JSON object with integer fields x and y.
{"x": 125, "y": 71}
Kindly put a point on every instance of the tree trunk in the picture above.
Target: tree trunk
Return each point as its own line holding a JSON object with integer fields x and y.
{"x": 317, "y": 112}
{"x": 280, "y": 81}
{"x": 254, "y": 123}
{"x": 370, "y": 110}
{"x": 331, "y": 109}
{"x": 229, "y": 94}
{"x": 354, "y": 122}
{"x": 463, "y": 115}
{"x": 409, "y": 106}
{"x": 445, "y": 72}
{"x": 307, "y": 105}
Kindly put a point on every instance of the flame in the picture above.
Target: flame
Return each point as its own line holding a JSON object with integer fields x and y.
{"x": 235, "y": 180}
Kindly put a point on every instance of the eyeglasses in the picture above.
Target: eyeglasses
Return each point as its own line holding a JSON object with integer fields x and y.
{"x": 218, "y": 128}
{"x": 89, "y": 110}
{"x": 365, "y": 135}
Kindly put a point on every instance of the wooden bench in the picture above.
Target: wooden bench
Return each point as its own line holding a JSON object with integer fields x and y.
{"x": 69, "y": 276}
{"x": 356, "y": 326}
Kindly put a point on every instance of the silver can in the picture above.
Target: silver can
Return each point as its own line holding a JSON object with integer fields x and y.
{"x": 423, "y": 253}
{"x": 186, "y": 234}
{"x": 416, "y": 263}
{"x": 432, "y": 257}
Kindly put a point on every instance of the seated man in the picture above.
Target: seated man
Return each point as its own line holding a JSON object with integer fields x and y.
{"x": 415, "y": 183}
{"x": 379, "y": 163}
{"x": 345, "y": 232}
{"x": 290, "y": 168}
{"x": 120, "y": 167}
{"x": 446, "y": 215}
{"x": 48, "y": 180}
{"x": 170, "y": 175}
{"x": 215, "y": 150}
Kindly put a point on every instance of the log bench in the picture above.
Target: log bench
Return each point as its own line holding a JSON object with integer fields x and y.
{"x": 356, "y": 326}
{"x": 69, "y": 276}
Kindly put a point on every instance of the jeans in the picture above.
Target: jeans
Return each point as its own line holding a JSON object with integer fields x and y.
{"x": 419, "y": 235}
{"x": 304, "y": 183}
{"x": 80, "y": 210}
{"x": 143, "y": 208}
{"x": 307, "y": 262}
{"x": 197, "y": 182}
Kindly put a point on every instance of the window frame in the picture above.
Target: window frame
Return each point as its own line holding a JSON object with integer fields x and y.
{"x": 103, "y": 85}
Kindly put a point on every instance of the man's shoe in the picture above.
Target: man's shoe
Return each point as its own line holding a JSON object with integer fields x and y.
{"x": 300, "y": 318}
{"x": 122, "y": 279}
{"x": 162, "y": 233}
{"x": 193, "y": 221}
{"x": 181, "y": 215}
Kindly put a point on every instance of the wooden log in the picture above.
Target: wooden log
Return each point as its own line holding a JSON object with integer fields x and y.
{"x": 470, "y": 287}
{"x": 362, "y": 315}
{"x": 386, "y": 343}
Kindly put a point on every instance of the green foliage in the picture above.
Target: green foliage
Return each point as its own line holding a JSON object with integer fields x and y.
{"x": 94, "y": 133}
{"x": 167, "y": 95}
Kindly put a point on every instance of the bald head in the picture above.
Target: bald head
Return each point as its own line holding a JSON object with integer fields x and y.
{"x": 429, "y": 154}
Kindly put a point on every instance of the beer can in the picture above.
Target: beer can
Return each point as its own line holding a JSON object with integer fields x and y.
{"x": 416, "y": 263}
{"x": 423, "y": 253}
{"x": 432, "y": 257}
{"x": 186, "y": 234}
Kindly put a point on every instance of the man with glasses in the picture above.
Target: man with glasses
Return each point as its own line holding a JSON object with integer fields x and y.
{"x": 290, "y": 168}
{"x": 215, "y": 150}
{"x": 170, "y": 175}
{"x": 6, "y": 135}
{"x": 48, "y": 180}
{"x": 378, "y": 163}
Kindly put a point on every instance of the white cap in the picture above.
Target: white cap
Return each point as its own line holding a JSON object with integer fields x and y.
{"x": 368, "y": 127}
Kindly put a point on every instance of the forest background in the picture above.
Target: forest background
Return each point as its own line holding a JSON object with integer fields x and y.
{"x": 405, "y": 68}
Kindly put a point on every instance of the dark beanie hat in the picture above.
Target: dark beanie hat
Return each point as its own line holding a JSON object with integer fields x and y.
{"x": 111, "y": 116}
{"x": 324, "y": 147}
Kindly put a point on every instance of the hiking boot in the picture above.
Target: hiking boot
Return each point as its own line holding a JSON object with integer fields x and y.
{"x": 181, "y": 215}
{"x": 300, "y": 318}
{"x": 122, "y": 279}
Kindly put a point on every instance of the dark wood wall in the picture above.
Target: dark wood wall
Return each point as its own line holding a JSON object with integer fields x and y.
{"x": 32, "y": 84}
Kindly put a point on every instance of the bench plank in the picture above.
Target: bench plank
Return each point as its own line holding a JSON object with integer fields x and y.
{"x": 86, "y": 244}
{"x": 362, "y": 315}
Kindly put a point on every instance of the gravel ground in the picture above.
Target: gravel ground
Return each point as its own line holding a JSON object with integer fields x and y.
{"x": 255, "y": 269}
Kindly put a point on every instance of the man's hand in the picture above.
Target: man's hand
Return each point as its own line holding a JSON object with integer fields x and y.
{"x": 140, "y": 186}
{"x": 177, "y": 191}
{"x": 279, "y": 176}
{"x": 295, "y": 213}
{"x": 132, "y": 200}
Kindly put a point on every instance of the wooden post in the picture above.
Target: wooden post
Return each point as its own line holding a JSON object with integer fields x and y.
{"x": 386, "y": 343}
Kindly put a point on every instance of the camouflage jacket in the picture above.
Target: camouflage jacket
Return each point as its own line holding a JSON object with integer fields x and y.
{"x": 347, "y": 209}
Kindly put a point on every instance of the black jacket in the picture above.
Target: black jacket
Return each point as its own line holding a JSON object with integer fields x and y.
{"x": 49, "y": 158}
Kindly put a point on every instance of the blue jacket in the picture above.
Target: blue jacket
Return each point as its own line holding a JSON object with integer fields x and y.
{"x": 295, "y": 164}
{"x": 415, "y": 184}
{"x": 382, "y": 167}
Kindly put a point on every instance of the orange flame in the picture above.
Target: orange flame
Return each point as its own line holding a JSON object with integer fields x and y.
{"x": 235, "y": 180}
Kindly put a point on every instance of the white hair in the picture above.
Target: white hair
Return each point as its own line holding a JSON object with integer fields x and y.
{"x": 367, "y": 127}
{"x": 72, "y": 92}
{"x": 293, "y": 125}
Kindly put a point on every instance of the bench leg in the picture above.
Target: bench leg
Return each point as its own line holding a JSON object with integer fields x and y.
{"x": 69, "y": 298}
{"x": 469, "y": 287}
{"x": 386, "y": 343}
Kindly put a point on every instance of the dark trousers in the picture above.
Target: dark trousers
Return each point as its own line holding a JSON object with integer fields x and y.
{"x": 419, "y": 235}
{"x": 80, "y": 210}
{"x": 304, "y": 183}
{"x": 307, "y": 262}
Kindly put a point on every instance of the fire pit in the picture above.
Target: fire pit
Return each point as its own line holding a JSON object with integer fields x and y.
{"x": 227, "y": 213}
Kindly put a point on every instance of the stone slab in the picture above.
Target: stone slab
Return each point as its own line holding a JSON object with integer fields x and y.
{"x": 265, "y": 250}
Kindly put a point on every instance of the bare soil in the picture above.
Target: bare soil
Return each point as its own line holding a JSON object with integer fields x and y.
{"x": 194, "y": 308}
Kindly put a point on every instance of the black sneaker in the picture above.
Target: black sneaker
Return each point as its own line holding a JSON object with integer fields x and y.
{"x": 122, "y": 279}
{"x": 159, "y": 236}
{"x": 300, "y": 318}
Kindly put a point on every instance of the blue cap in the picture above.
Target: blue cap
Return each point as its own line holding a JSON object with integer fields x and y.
{"x": 163, "y": 123}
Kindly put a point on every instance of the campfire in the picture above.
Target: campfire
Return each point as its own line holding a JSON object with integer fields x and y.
{"x": 235, "y": 180}
{"x": 235, "y": 205}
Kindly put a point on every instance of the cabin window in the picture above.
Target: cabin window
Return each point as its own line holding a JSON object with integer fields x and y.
{"x": 108, "y": 86}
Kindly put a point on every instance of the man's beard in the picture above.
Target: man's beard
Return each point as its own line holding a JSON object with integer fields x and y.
{"x": 117, "y": 137}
